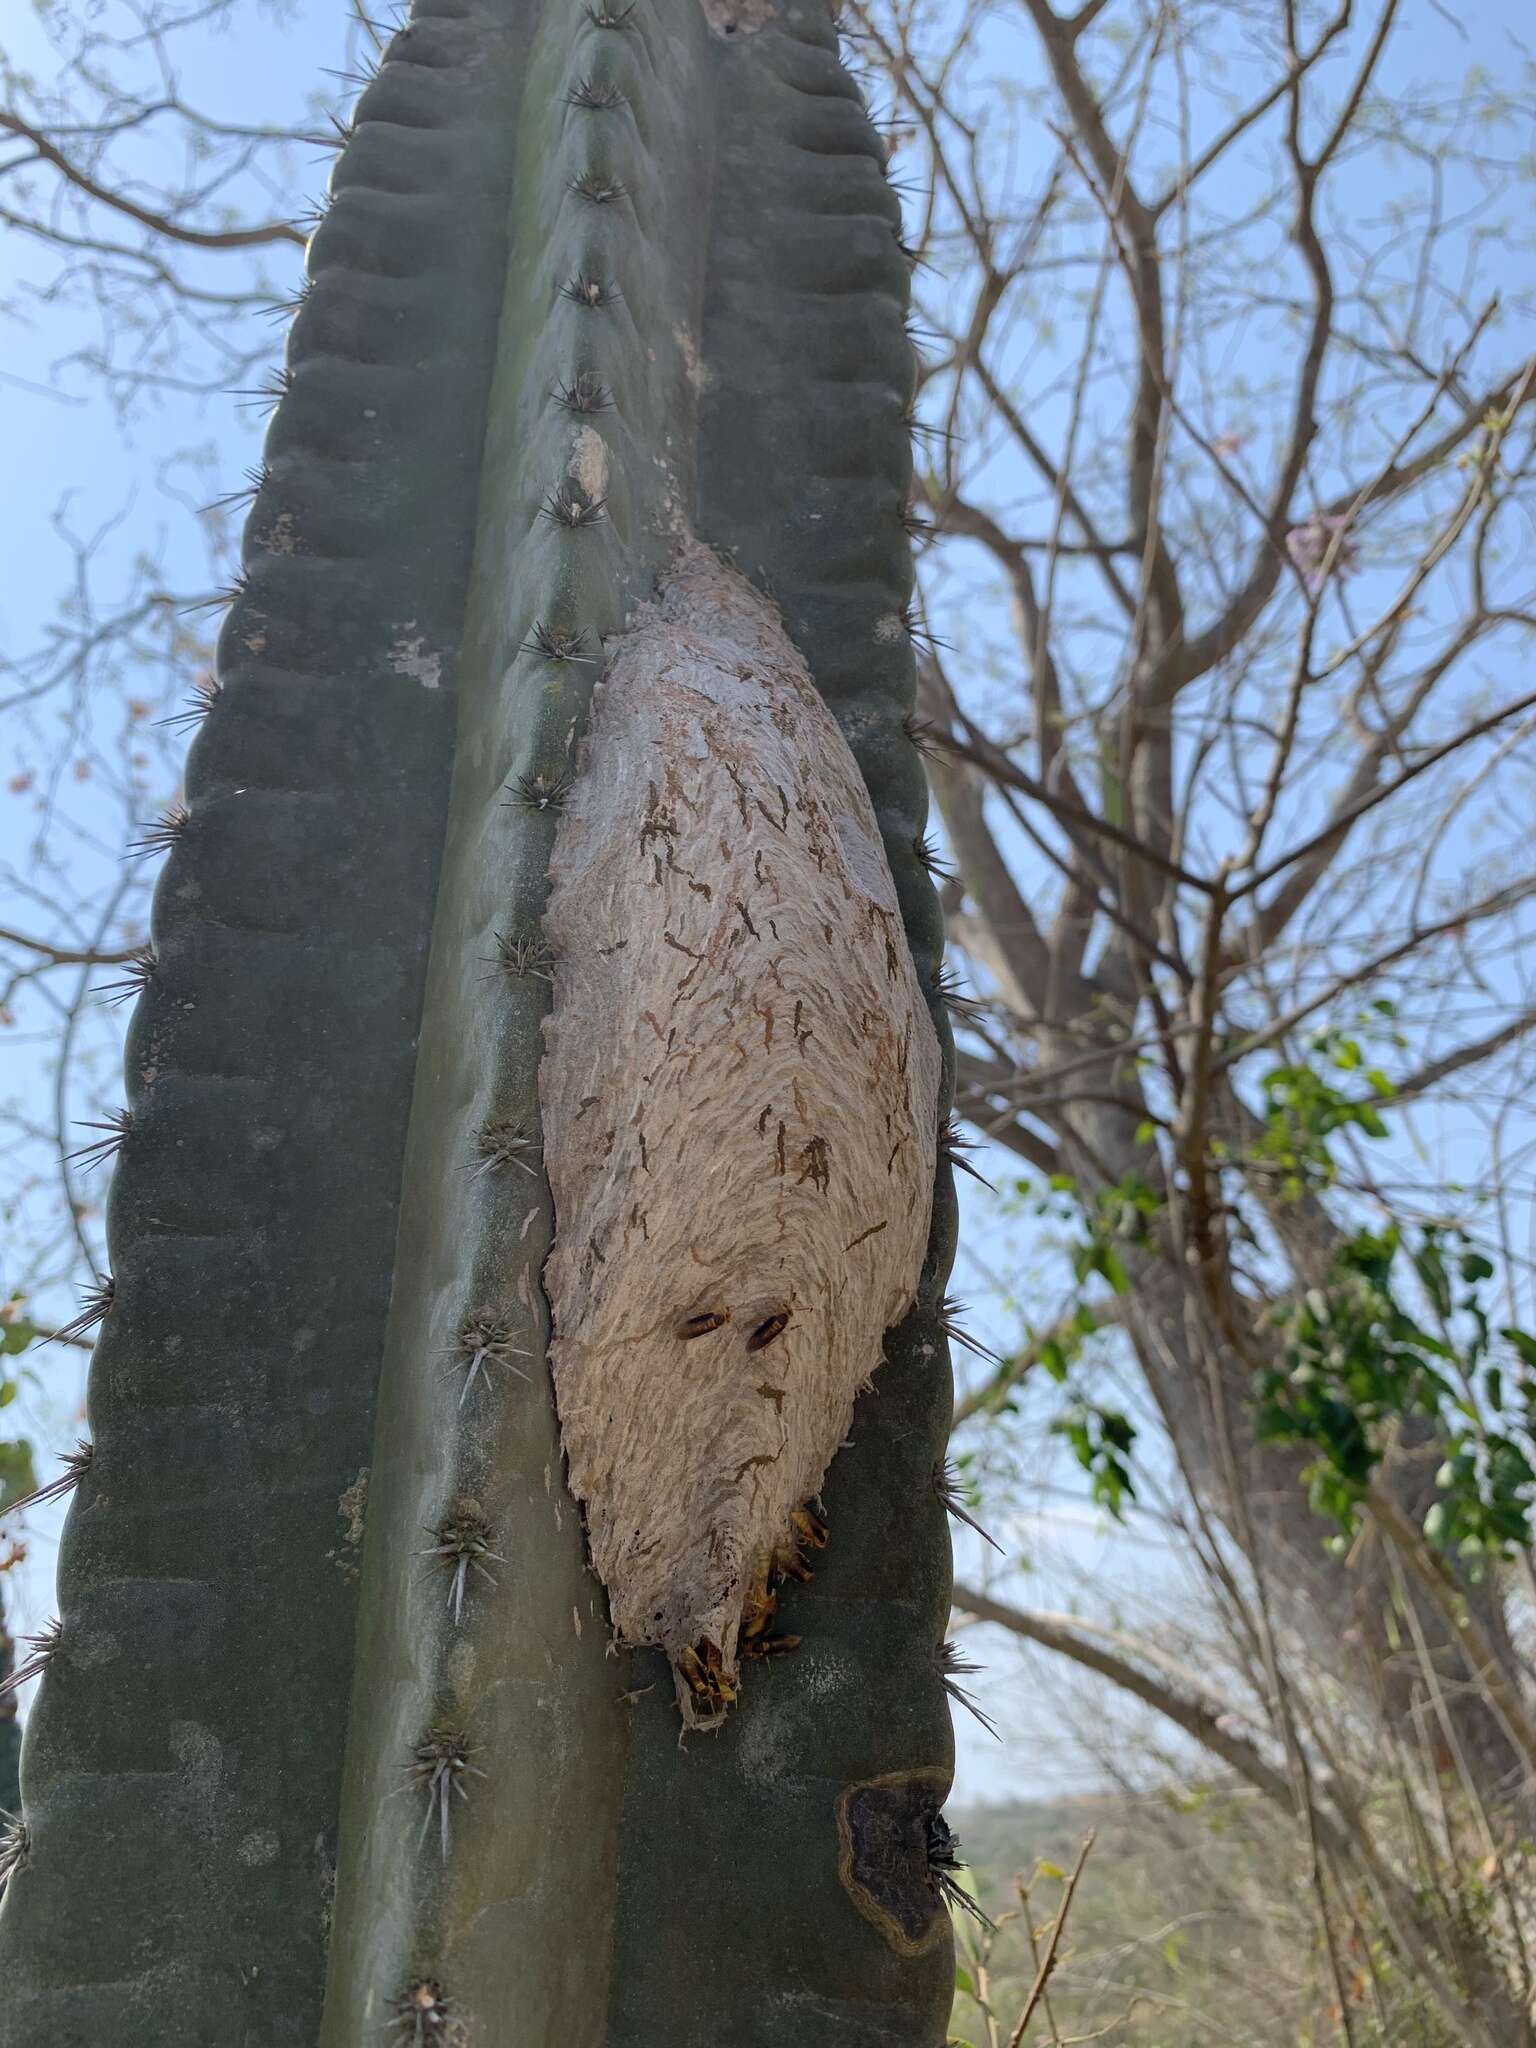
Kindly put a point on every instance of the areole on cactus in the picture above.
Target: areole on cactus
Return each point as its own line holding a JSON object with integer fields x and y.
{"x": 546, "y": 972}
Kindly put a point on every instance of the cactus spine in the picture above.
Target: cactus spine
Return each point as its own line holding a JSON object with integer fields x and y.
{"x": 590, "y": 280}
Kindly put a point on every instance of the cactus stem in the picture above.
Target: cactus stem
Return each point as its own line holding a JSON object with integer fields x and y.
{"x": 552, "y": 645}
{"x": 930, "y": 860}
{"x": 439, "y": 1765}
{"x": 925, "y": 430}
{"x": 503, "y": 1144}
{"x": 45, "y": 1647}
{"x": 947, "y": 990}
{"x": 925, "y": 736}
{"x": 590, "y": 291}
{"x": 915, "y": 526}
{"x": 953, "y": 1146}
{"x": 420, "y": 2013}
{"x": 485, "y": 1338}
{"x": 266, "y": 395}
{"x": 538, "y": 792}
{"x": 585, "y": 393}
{"x": 15, "y": 1847}
{"x": 284, "y": 309}
{"x": 117, "y": 1124}
{"x": 95, "y": 1306}
{"x": 565, "y": 507}
{"x": 139, "y": 970}
{"x": 949, "y": 1487}
{"x": 599, "y": 190}
{"x": 524, "y": 957}
{"x": 254, "y": 479}
{"x": 949, "y": 1314}
{"x": 944, "y": 1867}
{"x": 167, "y": 831}
{"x": 219, "y": 600}
{"x": 596, "y": 97}
{"x": 76, "y": 1464}
{"x": 341, "y": 134}
{"x": 206, "y": 692}
{"x": 359, "y": 79}
{"x": 953, "y": 1666}
{"x": 462, "y": 1539}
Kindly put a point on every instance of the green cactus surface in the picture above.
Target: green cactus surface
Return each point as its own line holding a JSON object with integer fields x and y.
{"x": 335, "y": 1746}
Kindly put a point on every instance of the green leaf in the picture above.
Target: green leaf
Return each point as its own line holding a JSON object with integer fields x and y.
{"x": 1114, "y": 1272}
{"x": 1052, "y": 1870}
{"x": 963, "y": 1981}
{"x": 1054, "y": 1359}
{"x": 18, "y": 1477}
{"x": 1475, "y": 1267}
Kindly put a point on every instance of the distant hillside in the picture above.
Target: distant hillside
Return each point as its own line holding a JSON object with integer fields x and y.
{"x": 1189, "y": 1928}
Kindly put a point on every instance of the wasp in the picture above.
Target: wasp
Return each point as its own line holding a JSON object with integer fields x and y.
{"x": 701, "y": 1325}
{"x": 772, "y": 1564}
{"x": 705, "y": 1678}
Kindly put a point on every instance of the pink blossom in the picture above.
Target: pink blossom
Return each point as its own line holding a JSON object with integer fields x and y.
{"x": 1308, "y": 546}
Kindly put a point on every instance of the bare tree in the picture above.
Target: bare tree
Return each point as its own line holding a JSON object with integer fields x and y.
{"x": 1229, "y": 390}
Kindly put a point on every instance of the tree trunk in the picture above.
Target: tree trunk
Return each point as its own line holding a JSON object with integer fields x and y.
{"x": 589, "y": 281}
{"x": 1340, "y": 1608}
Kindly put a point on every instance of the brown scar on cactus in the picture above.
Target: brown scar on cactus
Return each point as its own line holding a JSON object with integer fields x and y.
{"x": 723, "y": 1266}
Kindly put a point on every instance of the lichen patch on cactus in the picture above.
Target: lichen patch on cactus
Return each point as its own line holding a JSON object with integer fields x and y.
{"x": 411, "y": 656}
{"x": 739, "y": 1101}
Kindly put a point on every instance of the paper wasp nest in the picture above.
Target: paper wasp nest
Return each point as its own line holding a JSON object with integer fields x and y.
{"x": 739, "y": 1104}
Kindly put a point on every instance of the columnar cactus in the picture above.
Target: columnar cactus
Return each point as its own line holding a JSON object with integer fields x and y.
{"x": 335, "y": 1744}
